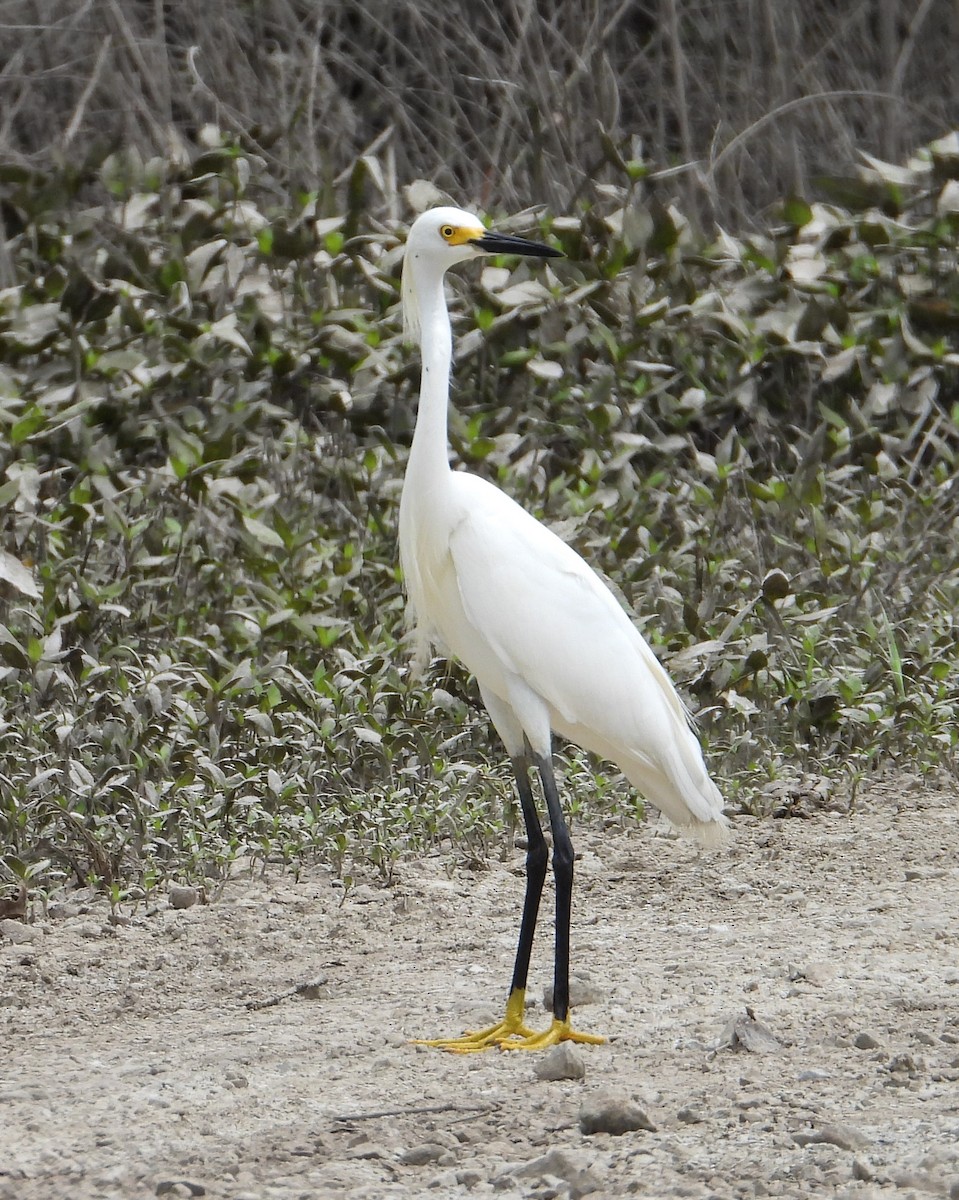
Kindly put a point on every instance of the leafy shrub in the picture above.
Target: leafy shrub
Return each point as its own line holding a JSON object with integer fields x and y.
{"x": 205, "y": 402}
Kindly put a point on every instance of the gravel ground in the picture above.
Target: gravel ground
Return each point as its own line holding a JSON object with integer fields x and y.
{"x": 783, "y": 1021}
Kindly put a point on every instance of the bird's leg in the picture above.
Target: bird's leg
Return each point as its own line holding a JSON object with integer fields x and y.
{"x": 536, "y": 859}
{"x": 512, "y": 1024}
{"x": 560, "y": 1030}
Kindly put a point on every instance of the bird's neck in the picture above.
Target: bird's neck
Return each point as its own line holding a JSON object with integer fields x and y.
{"x": 429, "y": 454}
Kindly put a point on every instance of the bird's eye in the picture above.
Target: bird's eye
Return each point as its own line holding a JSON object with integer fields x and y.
{"x": 447, "y": 231}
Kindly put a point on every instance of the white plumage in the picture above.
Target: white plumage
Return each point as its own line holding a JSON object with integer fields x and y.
{"x": 547, "y": 640}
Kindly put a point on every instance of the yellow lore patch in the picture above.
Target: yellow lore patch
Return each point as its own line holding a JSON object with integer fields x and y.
{"x": 459, "y": 235}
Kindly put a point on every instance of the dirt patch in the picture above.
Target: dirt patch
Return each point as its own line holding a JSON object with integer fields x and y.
{"x": 786, "y": 1015}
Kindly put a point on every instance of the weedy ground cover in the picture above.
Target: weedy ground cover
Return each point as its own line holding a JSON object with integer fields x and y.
{"x": 205, "y": 404}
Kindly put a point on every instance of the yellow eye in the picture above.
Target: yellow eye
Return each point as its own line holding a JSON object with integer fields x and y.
{"x": 447, "y": 231}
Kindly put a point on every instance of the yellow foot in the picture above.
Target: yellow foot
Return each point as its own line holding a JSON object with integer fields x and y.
{"x": 480, "y": 1039}
{"x": 512, "y": 1033}
{"x": 511, "y": 1026}
{"x": 559, "y": 1031}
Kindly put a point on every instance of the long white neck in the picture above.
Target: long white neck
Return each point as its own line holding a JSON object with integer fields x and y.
{"x": 429, "y": 454}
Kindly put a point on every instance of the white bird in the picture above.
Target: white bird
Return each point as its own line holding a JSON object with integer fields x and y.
{"x": 550, "y": 646}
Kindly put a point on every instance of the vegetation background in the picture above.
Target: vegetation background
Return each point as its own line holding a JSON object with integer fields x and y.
{"x": 737, "y": 396}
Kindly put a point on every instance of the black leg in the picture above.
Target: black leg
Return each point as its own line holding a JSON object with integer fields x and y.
{"x": 536, "y": 858}
{"x": 563, "y": 874}
{"x": 512, "y": 1032}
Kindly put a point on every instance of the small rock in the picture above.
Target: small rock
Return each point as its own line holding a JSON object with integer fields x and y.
{"x": 865, "y": 1041}
{"x": 419, "y": 1156}
{"x": 369, "y": 1151}
{"x": 566, "y": 1165}
{"x": 862, "y": 1170}
{"x": 443, "y": 1183}
{"x": 15, "y": 906}
{"x": 843, "y": 1136}
{"x": 921, "y": 1181}
{"x": 180, "y": 1187}
{"x": 815, "y": 973}
{"x": 60, "y": 912}
{"x": 17, "y": 932}
{"x": 89, "y": 929}
{"x": 581, "y": 991}
{"x": 746, "y": 1033}
{"x": 690, "y": 1116}
{"x": 182, "y": 896}
{"x": 813, "y": 1075}
{"x": 562, "y": 1062}
{"x": 469, "y": 1178}
{"x": 905, "y": 1064}
{"x": 603, "y": 1113}
{"x": 313, "y": 989}
{"x": 920, "y": 874}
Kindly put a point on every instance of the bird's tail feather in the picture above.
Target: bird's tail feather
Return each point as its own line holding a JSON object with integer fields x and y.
{"x": 684, "y": 792}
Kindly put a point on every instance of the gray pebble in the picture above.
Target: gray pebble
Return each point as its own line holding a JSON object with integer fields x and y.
{"x": 690, "y": 1116}
{"x": 843, "y": 1136}
{"x": 862, "y": 1170}
{"x": 443, "y": 1183}
{"x": 180, "y": 1187}
{"x": 746, "y": 1033}
{"x": 182, "y": 896}
{"x": 566, "y": 1165}
{"x": 905, "y": 1064}
{"x": 581, "y": 991}
{"x": 921, "y": 1181}
{"x": 17, "y": 932}
{"x": 561, "y": 1062}
{"x": 603, "y": 1113}
{"x": 425, "y": 1152}
{"x": 369, "y": 1151}
{"x": 89, "y": 929}
{"x": 865, "y": 1041}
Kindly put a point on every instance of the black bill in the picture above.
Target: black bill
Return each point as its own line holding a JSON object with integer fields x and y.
{"x": 507, "y": 243}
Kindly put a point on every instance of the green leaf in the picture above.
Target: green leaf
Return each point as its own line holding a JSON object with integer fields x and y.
{"x": 263, "y": 533}
{"x": 796, "y": 211}
{"x": 24, "y": 429}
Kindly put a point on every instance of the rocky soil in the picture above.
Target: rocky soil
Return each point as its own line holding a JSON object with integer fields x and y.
{"x": 783, "y": 1020}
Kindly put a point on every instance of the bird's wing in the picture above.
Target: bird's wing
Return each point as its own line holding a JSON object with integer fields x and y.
{"x": 528, "y": 605}
{"x": 549, "y": 618}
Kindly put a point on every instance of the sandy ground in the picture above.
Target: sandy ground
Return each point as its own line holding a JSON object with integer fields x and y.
{"x": 132, "y": 1066}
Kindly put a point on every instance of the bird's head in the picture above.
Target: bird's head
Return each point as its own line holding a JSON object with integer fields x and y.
{"x": 441, "y": 237}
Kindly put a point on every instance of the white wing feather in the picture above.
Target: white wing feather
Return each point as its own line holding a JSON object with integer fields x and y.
{"x": 533, "y": 609}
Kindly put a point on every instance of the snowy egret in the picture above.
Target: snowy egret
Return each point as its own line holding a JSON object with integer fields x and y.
{"x": 550, "y": 646}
